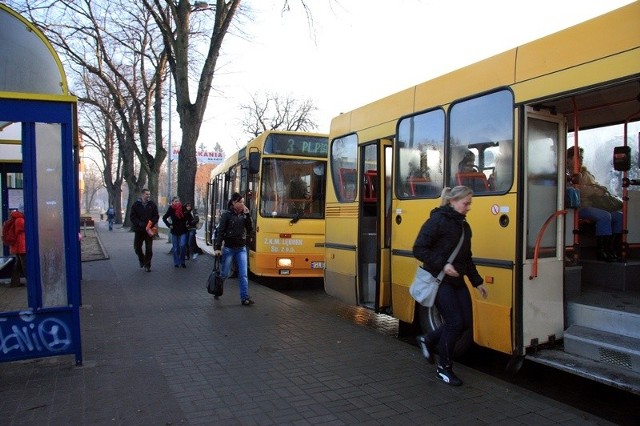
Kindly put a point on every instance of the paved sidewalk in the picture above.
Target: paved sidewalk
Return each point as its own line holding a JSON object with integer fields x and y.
{"x": 158, "y": 350}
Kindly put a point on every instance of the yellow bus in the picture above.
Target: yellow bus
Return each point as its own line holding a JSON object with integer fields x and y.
{"x": 511, "y": 116}
{"x": 282, "y": 176}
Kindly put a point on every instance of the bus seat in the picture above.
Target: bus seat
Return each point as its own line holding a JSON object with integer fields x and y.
{"x": 419, "y": 186}
{"x": 370, "y": 181}
{"x": 477, "y": 181}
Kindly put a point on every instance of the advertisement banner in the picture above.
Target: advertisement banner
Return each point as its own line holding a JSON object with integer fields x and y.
{"x": 202, "y": 156}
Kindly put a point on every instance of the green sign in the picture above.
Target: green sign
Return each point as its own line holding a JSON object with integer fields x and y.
{"x": 312, "y": 146}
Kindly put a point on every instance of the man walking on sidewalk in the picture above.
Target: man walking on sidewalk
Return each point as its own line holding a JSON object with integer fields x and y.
{"x": 144, "y": 216}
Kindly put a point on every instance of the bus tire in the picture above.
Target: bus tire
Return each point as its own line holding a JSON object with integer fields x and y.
{"x": 430, "y": 319}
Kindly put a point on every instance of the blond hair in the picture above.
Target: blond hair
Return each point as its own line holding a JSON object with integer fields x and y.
{"x": 453, "y": 194}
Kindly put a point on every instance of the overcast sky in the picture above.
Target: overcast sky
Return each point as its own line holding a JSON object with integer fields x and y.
{"x": 362, "y": 50}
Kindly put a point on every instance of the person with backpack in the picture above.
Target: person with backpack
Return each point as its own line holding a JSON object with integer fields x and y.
{"x": 13, "y": 235}
{"x": 234, "y": 227}
{"x": 111, "y": 216}
{"x": 193, "y": 251}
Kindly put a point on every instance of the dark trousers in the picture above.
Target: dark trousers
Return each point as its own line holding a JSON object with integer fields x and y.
{"x": 19, "y": 269}
{"x": 454, "y": 304}
{"x": 139, "y": 238}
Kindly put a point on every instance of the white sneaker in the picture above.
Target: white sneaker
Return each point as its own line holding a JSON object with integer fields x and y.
{"x": 195, "y": 256}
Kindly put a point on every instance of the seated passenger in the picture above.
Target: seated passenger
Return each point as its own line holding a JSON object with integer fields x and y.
{"x": 597, "y": 204}
{"x": 467, "y": 164}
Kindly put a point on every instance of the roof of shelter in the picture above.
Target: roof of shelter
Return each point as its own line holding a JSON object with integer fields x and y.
{"x": 28, "y": 62}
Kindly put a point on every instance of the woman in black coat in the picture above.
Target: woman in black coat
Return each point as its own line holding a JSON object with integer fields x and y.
{"x": 176, "y": 220}
{"x": 436, "y": 240}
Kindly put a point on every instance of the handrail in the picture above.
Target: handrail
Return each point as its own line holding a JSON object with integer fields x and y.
{"x": 534, "y": 270}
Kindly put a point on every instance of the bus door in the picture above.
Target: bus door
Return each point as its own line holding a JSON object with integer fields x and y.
{"x": 542, "y": 318}
{"x": 374, "y": 278}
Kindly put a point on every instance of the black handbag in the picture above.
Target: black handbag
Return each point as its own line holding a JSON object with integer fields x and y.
{"x": 215, "y": 283}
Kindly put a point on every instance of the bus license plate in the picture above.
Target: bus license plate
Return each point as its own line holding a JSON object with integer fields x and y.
{"x": 317, "y": 265}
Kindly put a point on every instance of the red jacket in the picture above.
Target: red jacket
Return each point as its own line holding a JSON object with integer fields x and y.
{"x": 20, "y": 247}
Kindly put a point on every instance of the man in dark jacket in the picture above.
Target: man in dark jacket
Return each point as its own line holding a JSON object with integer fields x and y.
{"x": 144, "y": 216}
{"x": 235, "y": 224}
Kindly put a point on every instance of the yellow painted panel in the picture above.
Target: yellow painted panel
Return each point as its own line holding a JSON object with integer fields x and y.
{"x": 500, "y": 290}
{"x": 491, "y": 240}
{"x": 492, "y": 325}
{"x": 607, "y": 69}
{"x": 340, "y": 261}
{"x": 485, "y": 75}
{"x": 597, "y": 38}
{"x": 385, "y": 273}
{"x": 403, "y": 303}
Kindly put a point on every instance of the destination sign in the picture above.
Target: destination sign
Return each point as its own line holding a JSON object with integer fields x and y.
{"x": 313, "y": 146}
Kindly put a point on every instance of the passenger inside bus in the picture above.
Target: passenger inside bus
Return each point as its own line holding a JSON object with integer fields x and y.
{"x": 467, "y": 164}
{"x": 298, "y": 193}
{"x": 418, "y": 181}
{"x": 597, "y": 205}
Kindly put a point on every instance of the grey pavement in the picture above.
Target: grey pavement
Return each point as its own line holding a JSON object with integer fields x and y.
{"x": 159, "y": 350}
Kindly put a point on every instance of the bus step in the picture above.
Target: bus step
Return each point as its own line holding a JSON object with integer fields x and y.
{"x": 614, "y": 313}
{"x": 607, "y": 374}
{"x": 604, "y": 347}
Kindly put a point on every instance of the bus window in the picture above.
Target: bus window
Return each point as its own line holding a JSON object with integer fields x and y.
{"x": 343, "y": 167}
{"x": 292, "y": 187}
{"x": 484, "y": 127}
{"x": 419, "y": 155}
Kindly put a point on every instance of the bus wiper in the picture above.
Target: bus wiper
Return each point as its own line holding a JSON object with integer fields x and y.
{"x": 296, "y": 218}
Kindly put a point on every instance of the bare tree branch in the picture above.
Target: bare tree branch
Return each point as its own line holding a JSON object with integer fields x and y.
{"x": 275, "y": 112}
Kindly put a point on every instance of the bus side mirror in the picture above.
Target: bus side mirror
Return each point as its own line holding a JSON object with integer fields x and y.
{"x": 254, "y": 162}
{"x": 622, "y": 158}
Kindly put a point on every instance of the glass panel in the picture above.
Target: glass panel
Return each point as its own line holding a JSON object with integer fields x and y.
{"x": 292, "y": 187}
{"x": 542, "y": 184}
{"x": 51, "y": 214}
{"x": 420, "y": 155}
{"x": 598, "y": 147}
{"x": 28, "y": 64}
{"x": 481, "y": 143}
{"x": 343, "y": 167}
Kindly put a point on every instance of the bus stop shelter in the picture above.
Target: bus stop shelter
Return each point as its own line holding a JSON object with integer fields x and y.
{"x": 39, "y": 175}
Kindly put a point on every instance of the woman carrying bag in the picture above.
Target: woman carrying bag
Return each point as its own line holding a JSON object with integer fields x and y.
{"x": 436, "y": 241}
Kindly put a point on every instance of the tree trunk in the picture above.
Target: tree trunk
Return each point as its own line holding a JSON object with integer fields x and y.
{"x": 187, "y": 162}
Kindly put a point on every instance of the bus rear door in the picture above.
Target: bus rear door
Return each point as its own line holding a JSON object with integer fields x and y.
{"x": 541, "y": 302}
{"x": 374, "y": 278}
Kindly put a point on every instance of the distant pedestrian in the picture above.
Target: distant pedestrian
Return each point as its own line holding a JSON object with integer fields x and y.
{"x": 235, "y": 224}
{"x": 144, "y": 212}
{"x": 176, "y": 219}
{"x": 19, "y": 248}
{"x": 192, "y": 225}
{"x": 436, "y": 241}
{"x": 111, "y": 216}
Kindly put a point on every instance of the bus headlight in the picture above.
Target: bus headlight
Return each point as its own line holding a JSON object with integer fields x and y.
{"x": 285, "y": 263}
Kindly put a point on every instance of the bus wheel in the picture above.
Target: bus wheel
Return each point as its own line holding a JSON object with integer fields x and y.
{"x": 430, "y": 319}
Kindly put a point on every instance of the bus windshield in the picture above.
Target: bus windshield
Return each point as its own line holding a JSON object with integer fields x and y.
{"x": 292, "y": 188}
